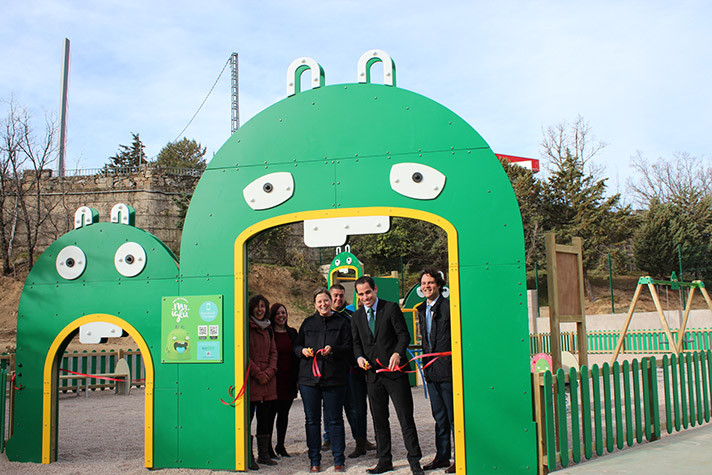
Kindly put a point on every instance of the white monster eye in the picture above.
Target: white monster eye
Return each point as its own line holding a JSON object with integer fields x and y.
{"x": 337, "y": 262}
{"x": 269, "y": 191}
{"x": 420, "y": 293}
{"x": 416, "y": 180}
{"x": 71, "y": 262}
{"x": 130, "y": 259}
{"x": 348, "y": 260}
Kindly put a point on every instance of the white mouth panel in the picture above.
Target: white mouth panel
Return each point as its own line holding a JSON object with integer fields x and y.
{"x": 330, "y": 232}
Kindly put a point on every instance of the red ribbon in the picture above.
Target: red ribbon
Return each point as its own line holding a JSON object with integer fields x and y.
{"x": 231, "y": 389}
{"x": 385, "y": 369}
{"x": 12, "y": 381}
{"x": 315, "y": 366}
{"x": 91, "y": 375}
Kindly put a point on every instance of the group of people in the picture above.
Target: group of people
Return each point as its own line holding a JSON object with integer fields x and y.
{"x": 338, "y": 359}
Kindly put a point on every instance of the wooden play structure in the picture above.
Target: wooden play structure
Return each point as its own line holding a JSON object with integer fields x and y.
{"x": 675, "y": 344}
{"x": 564, "y": 265}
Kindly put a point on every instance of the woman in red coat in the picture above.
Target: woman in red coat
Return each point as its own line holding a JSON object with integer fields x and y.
{"x": 263, "y": 384}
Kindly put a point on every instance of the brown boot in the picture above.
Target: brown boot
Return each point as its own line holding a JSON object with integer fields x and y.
{"x": 360, "y": 448}
{"x": 263, "y": 450}
{"x": 252, "y": 465}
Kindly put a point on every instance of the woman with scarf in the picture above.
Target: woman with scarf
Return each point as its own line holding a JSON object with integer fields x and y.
{"x": 263, "y": 384}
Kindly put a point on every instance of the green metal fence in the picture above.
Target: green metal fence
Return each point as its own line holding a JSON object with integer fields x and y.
{"x": 648, "y": 341}
{"x": 602, "y": 409}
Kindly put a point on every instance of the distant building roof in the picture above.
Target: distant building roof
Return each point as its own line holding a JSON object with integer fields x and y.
{"x": 530, "y": 163}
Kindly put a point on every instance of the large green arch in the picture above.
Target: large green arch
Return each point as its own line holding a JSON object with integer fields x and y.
{"x": 339, "y": 143}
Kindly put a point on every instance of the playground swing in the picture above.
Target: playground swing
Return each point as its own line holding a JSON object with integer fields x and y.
{"x": 673, "y": 284}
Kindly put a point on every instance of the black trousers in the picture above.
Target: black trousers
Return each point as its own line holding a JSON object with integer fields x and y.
{"x": 398, "y": 390}
{"x": 265, "y": 415}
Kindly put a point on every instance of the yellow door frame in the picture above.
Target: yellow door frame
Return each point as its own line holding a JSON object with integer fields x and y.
{"x": 242, "y": 427}
{"x": 50, "y": 389}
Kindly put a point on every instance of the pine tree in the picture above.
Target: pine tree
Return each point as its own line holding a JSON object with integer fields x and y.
{"x": 128, "y": 157}
{"x": 182, "y": 154}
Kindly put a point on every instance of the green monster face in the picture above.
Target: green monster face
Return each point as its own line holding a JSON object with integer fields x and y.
{"x": 178, "y": 345}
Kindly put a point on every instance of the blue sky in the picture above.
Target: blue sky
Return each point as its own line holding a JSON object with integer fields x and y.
{"x": 638, "y": 72}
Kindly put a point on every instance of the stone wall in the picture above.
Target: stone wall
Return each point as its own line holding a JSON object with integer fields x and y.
{"x": 151, "y": 191}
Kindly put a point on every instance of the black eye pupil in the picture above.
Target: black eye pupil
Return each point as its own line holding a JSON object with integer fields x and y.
{"x": 129, "y": 259}
{"x": 417, "y": 177}
{"x": 267, "y": 187}
{"x": 69, "y": 262}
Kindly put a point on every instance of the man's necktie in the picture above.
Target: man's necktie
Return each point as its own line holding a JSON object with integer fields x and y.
{"x": 371, "y": 321}
{"x": 428, "y": 321}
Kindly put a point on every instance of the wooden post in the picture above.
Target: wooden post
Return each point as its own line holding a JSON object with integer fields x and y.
{"x": 628, "y": 317}
{"x": 538, "y": 389}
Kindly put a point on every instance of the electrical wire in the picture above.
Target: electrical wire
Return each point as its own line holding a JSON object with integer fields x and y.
{"x": 204, "y": 101}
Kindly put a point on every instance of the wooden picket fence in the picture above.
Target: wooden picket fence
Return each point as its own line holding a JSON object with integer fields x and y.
{"x": 648, "y": 341}
{"x": 587, "y": 413}
{"x": 98, "y": 363}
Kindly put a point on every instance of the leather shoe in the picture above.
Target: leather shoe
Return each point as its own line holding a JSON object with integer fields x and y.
{"x": 380, "y": 469}
{"x": 451, "y": 468}
{"x": 339, "y": 468}
{"x": 436, "y": 464}
{"x": 416, "y": 470}
{"x": 315, "y": 469}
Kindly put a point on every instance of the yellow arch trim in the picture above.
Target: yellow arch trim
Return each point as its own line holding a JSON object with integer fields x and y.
{"x": 241, "y": 425}
{"x": 49, "y": 394}
{"x": 336, "y": 269}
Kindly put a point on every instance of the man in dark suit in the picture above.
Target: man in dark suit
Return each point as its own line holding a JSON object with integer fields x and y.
{"x": 381, "y": 338}
{"x": 434, "y": 316}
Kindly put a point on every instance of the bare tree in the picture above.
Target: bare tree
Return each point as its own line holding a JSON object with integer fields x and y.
{"x": 24, "y": 157}
{"x": 574, "y": 139}
{"x": 679, "y": 179}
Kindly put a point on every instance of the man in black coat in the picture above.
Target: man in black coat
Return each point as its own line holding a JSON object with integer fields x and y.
{"x": 380, "y": 338}
{"x": 434, "y": 316}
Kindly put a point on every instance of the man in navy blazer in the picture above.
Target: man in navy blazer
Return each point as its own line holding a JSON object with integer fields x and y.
{"x": 381, "y": 338}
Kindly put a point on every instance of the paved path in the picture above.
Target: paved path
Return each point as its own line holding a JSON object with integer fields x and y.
{"x": 688, "y": 453}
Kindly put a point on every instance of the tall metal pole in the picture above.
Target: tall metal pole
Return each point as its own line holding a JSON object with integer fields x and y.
{"x": 610, "y": 281}
{"x": 63, "y": 109}
{"x": 235, "y": 123}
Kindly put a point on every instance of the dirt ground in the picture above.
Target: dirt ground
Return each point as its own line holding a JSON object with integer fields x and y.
{"x": 86, "y": 447}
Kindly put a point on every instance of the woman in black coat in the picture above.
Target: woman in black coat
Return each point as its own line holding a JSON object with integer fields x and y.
{"x": 287, "y": 372}
{"x": 325, "y": 348}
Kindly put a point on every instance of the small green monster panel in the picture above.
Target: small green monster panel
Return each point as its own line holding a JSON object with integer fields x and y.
{"x": 191, "y": 329}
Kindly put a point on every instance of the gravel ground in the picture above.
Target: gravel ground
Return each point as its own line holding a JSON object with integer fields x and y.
{"x": 86, "y": 447}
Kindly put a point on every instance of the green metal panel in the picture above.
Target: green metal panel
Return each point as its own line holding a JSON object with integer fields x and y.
{"x": 647, "y": 410}
{"x": 698, "y": 388}
{"x": 637, "y": 402}
{"x": 550, "y": 421}
{"x": 586, "y": 412}
{"x": 704, "y": 368}
{"x": 618, "y": 406}
{"x": 597, "y": 413}
{"x": 606, "y": 376}
{"x": 690, "y": 388}
{"x": 655, "y": 401}
{"x": 666, "y": 387}
{"x": 575, "y": 430}
{"x": 562, "y": 433}
{"x": 628, "y": 406}
{"x": 683, "y": 391}
{"x": 675, "y": 392}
